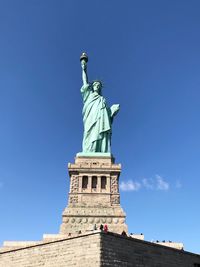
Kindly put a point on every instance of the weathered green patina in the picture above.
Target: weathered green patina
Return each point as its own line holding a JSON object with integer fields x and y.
{"x": 97, "y": 116}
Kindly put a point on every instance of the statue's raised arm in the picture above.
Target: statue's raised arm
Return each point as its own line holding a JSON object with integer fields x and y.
{"x": 84, "y": 60}
{"x": 97, "y": 116}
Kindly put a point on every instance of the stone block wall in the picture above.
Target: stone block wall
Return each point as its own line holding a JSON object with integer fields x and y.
{"x": 121, "y": 251}
{"x": 80, "y": 251}
{"x": 98, "y": 249}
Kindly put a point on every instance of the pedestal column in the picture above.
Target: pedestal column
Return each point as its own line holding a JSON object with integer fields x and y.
{"x": 89, "y": 206}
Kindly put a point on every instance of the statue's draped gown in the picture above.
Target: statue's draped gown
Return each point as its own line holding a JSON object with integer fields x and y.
{"x": 96, "y": 120}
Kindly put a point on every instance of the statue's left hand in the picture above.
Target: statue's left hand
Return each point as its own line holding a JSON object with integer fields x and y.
{"x": 114, "y": 109}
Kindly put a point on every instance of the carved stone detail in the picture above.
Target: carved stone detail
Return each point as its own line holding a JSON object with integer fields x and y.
{"x": 74, "y": 185}
{"x": 109, "y": 220}
{"x": 115, "y": 199}
{"x": 73, "y": 199}
{"x": 114, "y": 185}
{"x": 91, "y": 220}
{"x": 97, "y": 220}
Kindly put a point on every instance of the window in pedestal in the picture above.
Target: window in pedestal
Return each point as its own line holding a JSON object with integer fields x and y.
{"x": 103, "y": 182}
{"x": 85, "y": 182}
{"x": 94, "y": 182}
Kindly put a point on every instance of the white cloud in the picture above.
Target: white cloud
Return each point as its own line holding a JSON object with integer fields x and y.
{"x": 148, "y": 183}
{"x": 155, "y": 183}
{"x": 130, "y": 186}
{"x": 161, "y": 184}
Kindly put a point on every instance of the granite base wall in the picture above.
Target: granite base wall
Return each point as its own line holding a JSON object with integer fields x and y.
{"x": 98, "y": 249}
{"x": 117, "y": 250}
{"x": 81, "y": 251}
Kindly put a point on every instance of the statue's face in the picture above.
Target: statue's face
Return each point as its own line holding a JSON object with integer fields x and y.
{"x": 97, "y": 87}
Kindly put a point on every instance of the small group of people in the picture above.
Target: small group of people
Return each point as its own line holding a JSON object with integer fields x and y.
{"x": 102, "y": 227}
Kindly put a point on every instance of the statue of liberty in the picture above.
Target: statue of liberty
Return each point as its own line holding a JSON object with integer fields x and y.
{"x": 97, "y": 116}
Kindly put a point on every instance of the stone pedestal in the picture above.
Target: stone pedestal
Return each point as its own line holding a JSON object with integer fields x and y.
{"x": 94, "y": 196}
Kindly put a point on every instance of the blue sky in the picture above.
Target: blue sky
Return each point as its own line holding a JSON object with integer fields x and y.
{"x": 148, "y": 55}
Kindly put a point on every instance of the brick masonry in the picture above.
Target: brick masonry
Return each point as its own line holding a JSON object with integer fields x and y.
{"x": 98, "y": 249}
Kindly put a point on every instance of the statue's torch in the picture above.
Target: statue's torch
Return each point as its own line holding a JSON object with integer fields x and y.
{"x": 84, "y": 57}
{"x": 84, "y": 60}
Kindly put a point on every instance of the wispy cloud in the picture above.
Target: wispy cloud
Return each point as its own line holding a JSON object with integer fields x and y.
{"x": 148, "y": 183}
{"x": 130, "y": 186}
{"x": 155, "y": 183}
{"x": 161, "y": 184}
{"x": 1, "y": 185}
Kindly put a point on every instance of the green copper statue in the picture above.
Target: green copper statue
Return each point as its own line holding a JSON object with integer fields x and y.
{"x": 97, "y": 116}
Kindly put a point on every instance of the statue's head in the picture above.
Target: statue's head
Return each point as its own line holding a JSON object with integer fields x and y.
{"x": 97, "y": 86}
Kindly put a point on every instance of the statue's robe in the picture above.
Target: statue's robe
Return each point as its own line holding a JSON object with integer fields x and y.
{"x": 97, "y": 121}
